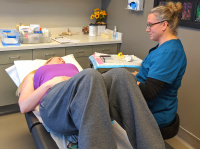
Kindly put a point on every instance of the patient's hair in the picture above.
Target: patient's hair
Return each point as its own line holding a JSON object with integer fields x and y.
{"x": 32, "y": 72}
{"x": 170, "y": 13}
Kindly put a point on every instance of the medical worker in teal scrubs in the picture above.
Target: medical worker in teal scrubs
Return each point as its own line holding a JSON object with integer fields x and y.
{"x": 162, "y": 70}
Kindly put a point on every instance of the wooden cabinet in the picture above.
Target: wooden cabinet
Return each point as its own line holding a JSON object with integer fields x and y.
{"x": 48, "y": 53}
{"x": 81, "y": 54}
{"x": 7, "y": 86}
{"x": 8, "y": 57}
{"x": 107, "y": 48}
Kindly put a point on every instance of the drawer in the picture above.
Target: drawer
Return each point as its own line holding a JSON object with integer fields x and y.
{"x": 79, "y": 51}
{"x": 8, "y": 87}
{"x": 107, "y": 48}
{"x": 48, "y": 53}
{"x": 83, "y": 61}
{"x": 8, "y": 57}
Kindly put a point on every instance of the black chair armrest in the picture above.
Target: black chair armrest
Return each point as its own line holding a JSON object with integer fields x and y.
{"x": 31, "y": 120}
{"x": 43, "y": 138}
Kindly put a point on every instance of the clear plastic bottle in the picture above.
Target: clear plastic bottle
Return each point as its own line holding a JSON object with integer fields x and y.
{"x": 115, "y": 33}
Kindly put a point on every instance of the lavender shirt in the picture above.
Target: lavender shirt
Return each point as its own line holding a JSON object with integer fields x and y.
{"x": 48, "y": 72}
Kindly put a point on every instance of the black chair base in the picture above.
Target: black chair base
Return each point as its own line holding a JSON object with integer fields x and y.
{"x": 171, "y": 130}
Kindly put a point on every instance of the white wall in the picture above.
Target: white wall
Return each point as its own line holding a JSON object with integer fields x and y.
{"x": 47, "y": 13}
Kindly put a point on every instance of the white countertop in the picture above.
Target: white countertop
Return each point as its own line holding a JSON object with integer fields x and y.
{"x": 84, "y": 40}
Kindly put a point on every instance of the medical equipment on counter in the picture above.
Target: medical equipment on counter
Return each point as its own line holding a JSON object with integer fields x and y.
{"x": 31, "y": 38}
{"x": 34, "y": 34}
{"x": 9, "y": 37}
{"x": 128, "y": 58}
{"x": 114, "y": 61}
{"x": 115, "y": 33}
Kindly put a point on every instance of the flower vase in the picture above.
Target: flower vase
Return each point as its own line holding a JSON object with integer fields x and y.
{"x": 101, "y": 27}
{"x": 100, "y": 23}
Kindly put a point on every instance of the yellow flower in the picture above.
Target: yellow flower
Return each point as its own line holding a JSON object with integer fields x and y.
{"x": 97, "y": 9}
{"x": 96, "y": 12}
{"x": 97, "y": 16}
{"x": 92, "y": 17}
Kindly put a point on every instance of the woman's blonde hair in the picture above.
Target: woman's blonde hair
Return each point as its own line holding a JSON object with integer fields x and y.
{"x": 32, "y": 72}
{"x": 170, "y": 13}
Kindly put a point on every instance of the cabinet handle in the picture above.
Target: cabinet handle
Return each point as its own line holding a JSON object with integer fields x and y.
{"x": 14, "y": 57}
{"x": 52, "y": 54}
{"x": 105, "y": 49}
{"x": 79, "y": 52}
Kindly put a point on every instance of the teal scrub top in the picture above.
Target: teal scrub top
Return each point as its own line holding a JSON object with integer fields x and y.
{"x": 166, "y": 63}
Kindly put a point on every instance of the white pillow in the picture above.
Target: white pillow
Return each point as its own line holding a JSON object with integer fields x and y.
{"x": 21, "y": 68}
{"x": 12, "y": 72}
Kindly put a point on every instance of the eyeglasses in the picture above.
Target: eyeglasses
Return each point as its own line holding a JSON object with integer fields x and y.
{"x": 149, "y": 25}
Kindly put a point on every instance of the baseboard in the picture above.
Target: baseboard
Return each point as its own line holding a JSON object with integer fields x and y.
{"x": 9, "y": 109}
{"x": 188, "y": 137}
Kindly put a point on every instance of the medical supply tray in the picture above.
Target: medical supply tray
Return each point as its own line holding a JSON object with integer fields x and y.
{"x": 9, "y": 36}
{"x": 31, "y": 38}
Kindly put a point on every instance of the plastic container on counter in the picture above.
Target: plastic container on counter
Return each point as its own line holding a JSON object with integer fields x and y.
{"x": 9, "y": 36}
{"x": 31, "y": 38}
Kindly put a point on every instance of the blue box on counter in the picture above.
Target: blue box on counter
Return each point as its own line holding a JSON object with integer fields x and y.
{"x": 9, "y": 37}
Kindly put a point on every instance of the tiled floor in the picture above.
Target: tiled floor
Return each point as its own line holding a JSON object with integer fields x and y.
{"x": 14, "y": 134}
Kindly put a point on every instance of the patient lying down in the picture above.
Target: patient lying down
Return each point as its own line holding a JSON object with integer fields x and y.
{"x": 83, "y": 103}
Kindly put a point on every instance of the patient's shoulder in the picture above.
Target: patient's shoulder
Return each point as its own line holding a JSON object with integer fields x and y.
{"x": 30, "y": 76}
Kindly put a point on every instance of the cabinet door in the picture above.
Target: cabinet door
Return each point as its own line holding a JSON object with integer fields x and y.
{"x": 8, "y": 57}
{"x": 7, "y": 86}
{"x": 107, "y": 48}
{"x": 84, "y": 51}
{"x": 48, "y": 53}
{"x": 81, "y": 54}
{"x": 83, "y": 61}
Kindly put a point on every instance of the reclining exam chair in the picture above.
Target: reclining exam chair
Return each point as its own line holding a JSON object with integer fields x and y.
{"x": 43, "y": 139}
